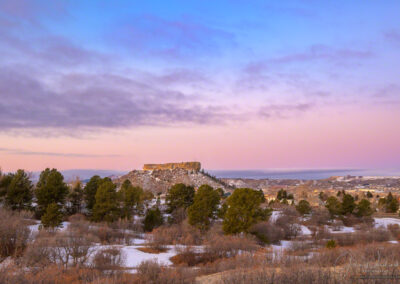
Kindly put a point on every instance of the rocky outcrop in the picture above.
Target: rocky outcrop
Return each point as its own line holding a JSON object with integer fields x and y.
{"x": 189, "y": 166}
{"x": 161, "y": 180}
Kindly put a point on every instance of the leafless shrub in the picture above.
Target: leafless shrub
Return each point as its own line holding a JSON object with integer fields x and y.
{"x": 178, "y": 215}
{"x": 67, "y": 249}
{"x": 152, "y": 272}
{"x": 149, "y": 271}
{"x": 287, "y": 220}
{"x": 268, "y": 232}
{"x": 38, "y": 253}
{"x": 14, "y": 234}
{"x": 301, "y": 247}
{"x": 319, "y": 217}
{"x": 228, "y": 246}
{"x": 176, "y": 234}
{"x": 394, "y": 230}
{"x": 320, "y": 233}
{"x": 287, "y": 276}
{"x": 57, "y": 274}
{"x": 108, "y": 235}
{"x": 337, "y": 225}
{"x": 108, "y": 260}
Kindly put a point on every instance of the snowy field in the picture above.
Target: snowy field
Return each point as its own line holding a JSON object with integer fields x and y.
{"x": 384, "y": 222}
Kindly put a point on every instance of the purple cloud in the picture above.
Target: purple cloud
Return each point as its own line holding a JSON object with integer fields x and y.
{"x": 314, "y": 53}
{"x": 393, "y": 36}
{"x": 97, "y": 101}
{"x": 54, "y": 154}
{"x": 284, "y": 110}
{"x": 184, "y": 38}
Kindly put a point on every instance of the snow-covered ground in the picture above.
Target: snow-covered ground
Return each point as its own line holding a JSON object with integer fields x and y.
{"x": 133, "y": 256}
{"x": 284, "y": 245}
{"x": 384, "y": 222}
{"x": 343, "y": 229}
{"x": 275, "y": 215}
{"x": 35, "y": 228}
{"x": 305, "y": 230}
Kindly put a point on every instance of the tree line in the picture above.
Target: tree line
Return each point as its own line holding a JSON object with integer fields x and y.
{"x": 51, "y": 199}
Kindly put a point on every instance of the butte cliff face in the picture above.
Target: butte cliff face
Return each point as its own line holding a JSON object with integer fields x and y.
{"x": 189, "y": 166}
{"x": 160, "y": 180}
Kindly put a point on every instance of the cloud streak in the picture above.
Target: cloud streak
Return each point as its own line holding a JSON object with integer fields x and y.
{"x": 97, "y": 101}
{"x": 173, "y": 39}
{"x": 52, "y": 154}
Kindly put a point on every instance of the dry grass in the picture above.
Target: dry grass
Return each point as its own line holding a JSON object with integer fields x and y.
{"x": 152, "y": 250}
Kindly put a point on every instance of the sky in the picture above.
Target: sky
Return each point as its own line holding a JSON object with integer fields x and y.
{"x": 233, "y": 84}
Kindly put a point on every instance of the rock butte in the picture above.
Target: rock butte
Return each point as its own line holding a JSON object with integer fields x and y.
{"x": 190, "y": 166}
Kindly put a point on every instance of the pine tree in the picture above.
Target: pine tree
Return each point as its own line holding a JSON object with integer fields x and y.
{"x": 52, "y": 217}
{"x": 303, "y": 207}
{"x": 392, "y": 204}
{"x": 50, "y": 188}
{"x": 348, "y": 204}
{"x": 5, "y": 181}
{"x": 75, "y": 198}
{"x": 243, "y": 210}
{"x": 19, "y": 191}
{"x": 334, "y": 206}
{"x": 282, "y": 194}
{"x": 204, "y": 207}
{"x": 89, "y": 192}
{"x": 363, "y": 208}
{"x": 106, "y": 206}
{"x": 153, "y": 219}
{"x": 179, "y": 196}
{"x": 131, "y": 197}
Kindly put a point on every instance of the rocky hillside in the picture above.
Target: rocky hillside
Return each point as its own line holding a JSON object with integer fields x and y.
{"x": 161, "y": 180}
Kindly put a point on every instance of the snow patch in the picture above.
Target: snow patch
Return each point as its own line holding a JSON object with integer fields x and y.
{"x": 384, "y": 222}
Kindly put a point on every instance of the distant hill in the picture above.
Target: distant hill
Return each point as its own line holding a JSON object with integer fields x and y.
{"x": 83, "y": 174}
{"x": 161, "y": 180}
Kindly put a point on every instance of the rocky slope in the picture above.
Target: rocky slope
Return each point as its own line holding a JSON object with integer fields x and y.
{"x": 161, "y": 180}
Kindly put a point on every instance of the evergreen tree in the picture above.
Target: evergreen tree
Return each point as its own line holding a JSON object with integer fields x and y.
{"x": 282, "y": 194}
{"x": 392, "y": 204}
{"x": 204, "y": 207}
{"x": 153, "y": 219}
{"x": 389, "y": 198}
{"x": 89, "y": 192}
{"x": 179, "y": 196}
{"x": 50, "y": 188}
{"x": 19, "y": 192}
{"x": 369, "y": 195}
{"x": 363, "y": 208}
{"x": 5, "y": 181}
{"x": 106, "y": 205}
{"x": 303, "y": 207}
{"x": 52, "y": 217}
{"x": 334, "y": 206}
{"x": 244, "y": 210}
{"x": 322, "y": 196}
{"x": 75, "y": 198}
{"x": 131, "y": 197}
{"x": 348, "y": 204}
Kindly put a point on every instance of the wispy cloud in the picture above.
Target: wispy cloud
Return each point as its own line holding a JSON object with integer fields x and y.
{"x": 97, "y": 101}
{"x": 53, "y": 154}
{"x": 284, "y": 110}
{"x": 313, "y": 53}
{"x": 393, "y": 36}
{"x": 178, "y": 38}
